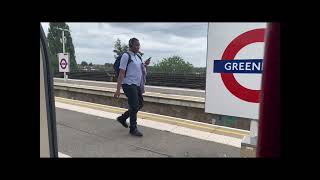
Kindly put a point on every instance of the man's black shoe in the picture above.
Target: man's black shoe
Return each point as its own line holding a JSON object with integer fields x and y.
{"x": 136, "y": 133}
{"x": 124, "y": 123}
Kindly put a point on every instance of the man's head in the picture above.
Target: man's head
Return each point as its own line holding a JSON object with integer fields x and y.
{"x": 134, "y": 45}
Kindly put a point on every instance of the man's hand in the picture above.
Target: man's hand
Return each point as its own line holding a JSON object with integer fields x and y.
{"x": 147, "y": 62}
{"x": 117, "y": 93}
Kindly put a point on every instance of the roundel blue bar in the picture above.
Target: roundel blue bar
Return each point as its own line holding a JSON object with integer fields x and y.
{"x": 252, "y": 66}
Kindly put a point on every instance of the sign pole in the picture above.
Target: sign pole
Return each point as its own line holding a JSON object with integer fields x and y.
{"x": 64, "y": 73}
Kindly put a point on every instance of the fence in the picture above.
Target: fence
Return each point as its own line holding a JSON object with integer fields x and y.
{"x": 192, "y": 81}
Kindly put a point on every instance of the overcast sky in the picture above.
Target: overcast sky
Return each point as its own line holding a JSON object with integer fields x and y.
{"x": 94, "y": 42}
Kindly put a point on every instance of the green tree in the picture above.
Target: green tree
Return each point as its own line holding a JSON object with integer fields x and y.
{"x": 174, "y": 64}
{"x": 55, "y": 45}
{"x": 90, "y": 64}
{"x": 119, "y": 48}
{"x": 84, "y": 63}
{"x": 108, "y": 64}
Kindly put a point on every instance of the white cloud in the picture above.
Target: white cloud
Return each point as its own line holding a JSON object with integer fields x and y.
{"x": 94, "y": 41}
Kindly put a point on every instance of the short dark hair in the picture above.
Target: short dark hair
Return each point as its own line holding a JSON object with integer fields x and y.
{"x": 131, "y": 41}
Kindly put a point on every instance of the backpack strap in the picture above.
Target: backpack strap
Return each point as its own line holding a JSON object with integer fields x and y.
{"x": 139, "y": 57}
{"x": 129, "y": 60}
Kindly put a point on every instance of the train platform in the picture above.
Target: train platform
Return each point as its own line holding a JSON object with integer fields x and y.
{"x": 90, "y": 130}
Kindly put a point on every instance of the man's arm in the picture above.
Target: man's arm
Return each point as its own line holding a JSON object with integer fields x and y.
{"x": 120, "y": 79}
{"x": 123, "y": 66}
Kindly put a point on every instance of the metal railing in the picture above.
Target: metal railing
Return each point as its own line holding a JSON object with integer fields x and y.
{"x": 186, "y": 80}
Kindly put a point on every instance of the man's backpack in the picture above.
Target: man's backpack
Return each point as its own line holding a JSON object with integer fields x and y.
{"x": 116, "y": 65}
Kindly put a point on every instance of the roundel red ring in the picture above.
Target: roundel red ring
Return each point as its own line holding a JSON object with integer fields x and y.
{"x": 249, "y": 37}
{"x": 63, "y": 63}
